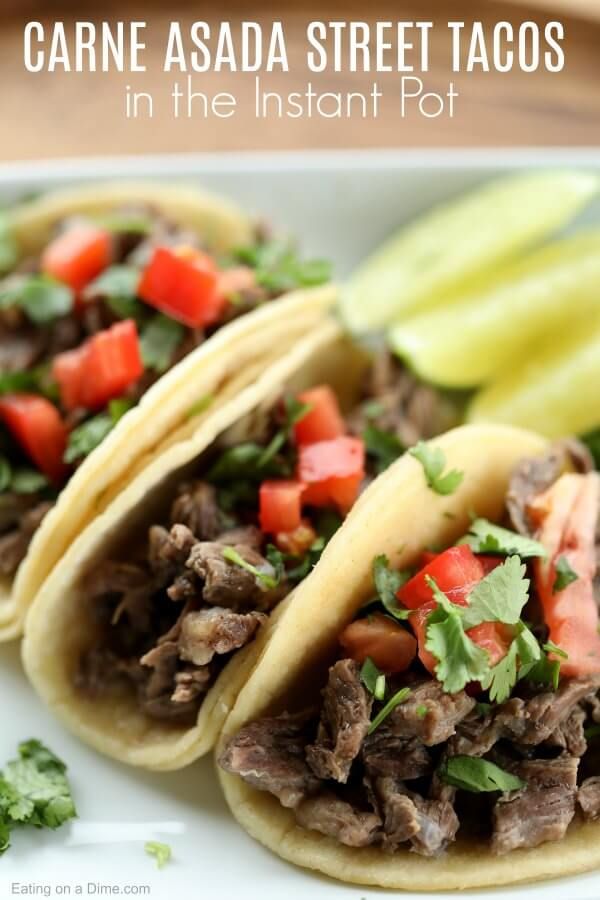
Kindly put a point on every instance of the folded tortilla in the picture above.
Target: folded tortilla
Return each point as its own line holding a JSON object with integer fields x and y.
{"x": 400, "y": 517}
{"x": 220, "y": 367}
{"x": 59, "y": 627}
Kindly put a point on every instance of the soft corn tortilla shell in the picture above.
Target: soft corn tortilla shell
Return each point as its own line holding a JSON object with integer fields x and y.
{"x": 401, "y": 517}
{"x": 58, "y": 626}
{"x": 228, "y": 357}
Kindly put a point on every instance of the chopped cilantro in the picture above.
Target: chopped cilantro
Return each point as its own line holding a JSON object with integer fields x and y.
{"x": 384, "y": 446}
{"x": 500, "y": 596}
{"x": 278, "y": 268}
{"x": 398, "y": 698}
{"x": 117, "y": 285}
{"x": 460, "y": 660}
{"x": 90, "y": 434}
{"x": 373, "y": 679}
{"x": 28, "y": 481}
{"x": 15, "y": 382}
{"x": 433, "y": 461}
{"x": 592, "y": 732}
{"x": 41, "y": 298}
{"x": 294, "y": 411}
{"x": 501, "y": 678}
{"x": 422, "y": 710}
{"x": 476, "y": 775}
{"x": 161, "y": 852}
{"x": 550, "y": 647}
{"x": 565, "y": 575}
{"x": 387, "y": 583}
{"x": 159, "y": 340}
{"x": 34, "y": 791}
{"x": 5, "y": 473}
{"x": 125, "y": 223}
{"x": 483, "y": 709}
{"x": 267, "y": 580}
{"x": 592, "y": 442}
{"x": 485, "y": 537}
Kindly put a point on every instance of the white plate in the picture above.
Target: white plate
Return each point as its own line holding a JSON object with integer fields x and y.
{"x": 340, "y": 206}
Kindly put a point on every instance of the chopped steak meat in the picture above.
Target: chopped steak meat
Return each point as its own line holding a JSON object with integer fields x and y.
{"x": 196, "y": 507}
{"x": 444, "y": 712}
{"x": 207, "y": 632}
{"x": 539, "y": 812}
{"x": 269, "y": 754}
{"x": 228, "y": 584}
{"x": 570, "y": 734}
{"x": 336, "y": 818}
{"x": 405, "y": 758}
{"x": 169, "y": 550}
{"x": 588, "y": 798}
{"x": 430, "y": 825}
{"x": 345, "y": 719}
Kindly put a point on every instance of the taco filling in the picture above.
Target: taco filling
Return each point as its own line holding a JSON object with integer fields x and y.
{"x": 465, "y": 698}
{"x": 86, "y": 327}
{"x": 247, "y": 523}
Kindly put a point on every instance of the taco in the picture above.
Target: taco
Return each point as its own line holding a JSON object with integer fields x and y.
{"x": 142, "y": 637}
{"x": 424, "y": 716}
{"x": 124, "y": 308}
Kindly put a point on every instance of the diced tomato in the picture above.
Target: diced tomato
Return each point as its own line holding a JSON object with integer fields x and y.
{"x": 67, "y": 371}
{"x": 489, "y": 563}
{"x": 418, "y": 623}
{"x": 297, "y": 541}
{"x": 183, "y": 283}
{"x": 332, "y": 471}
{"x": 78, "y": 255}
{"x": 567, "y": 515}
{"x": 456, "y": 571}
{"x": 37, "y": 426}
{"x": 280, "y": 506}
{"x": 428, "y": 556}
{"x": 494, "y": 637}
{"x": 391, "y": 647}
{"x": 323, "y": 421}
{"x": 101, "y": 369}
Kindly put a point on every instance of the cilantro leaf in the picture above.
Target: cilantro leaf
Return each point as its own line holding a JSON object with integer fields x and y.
{"x": 41, "y": 297}
{"x": 159, "y": 340}
{"x": 161, "y": 852}
{"x": 117, "y": 286}
{"x": 460, "y": 660}
{"x": 267, "y": 580}
{"x": 384, "y": 446}
{"x": 592, "y": 442}
{"x": 90, "y": 434}
{"x": 422, "y": 710}
{"x": 500, "y": 596}
{"x": 476, "y": 775}
{"x": 485, "y": 537}
{"x": 125, "y": 223}
{"x": 433, "y": 461}
{"x": 501, "y": 678}
{"x": 565, "y": 575}
{"x": 34, "y": 790}
{"x": 387, "y": 583}
{"x": 398, "y": 698}
{"x": 278, "y": 268}
{"x": 373, "y": 679}
{"x": 15, "y": 382}
{"x": 28, "y": 481}
{"x": 294, "y": 411}
{"x": 200, "y": 406}
{"x": 550, "y": 647}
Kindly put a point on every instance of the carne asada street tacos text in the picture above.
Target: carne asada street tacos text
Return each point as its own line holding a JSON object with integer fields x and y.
{"x": 121, "y": 307}
{"x": 137, "y": 638}
{"x": 442, "y": 699}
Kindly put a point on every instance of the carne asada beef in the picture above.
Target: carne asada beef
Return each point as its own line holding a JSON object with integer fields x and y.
{"x": 385, "y": 754}
{"x": 429, "y": 825}
{"x": 335, "y": 818}
{"x": 429, "y": 714}
{"x": 207, "y": 632}
{"x": 227, "y": 585}
{"x": 345, "y": 720}
{"x": 270, "y": 756}
{"x": 588, "y": 798}
{"x": 540, "y": 812}
{"x": 196, "y": 507}
{"x": 398, "y": 403}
